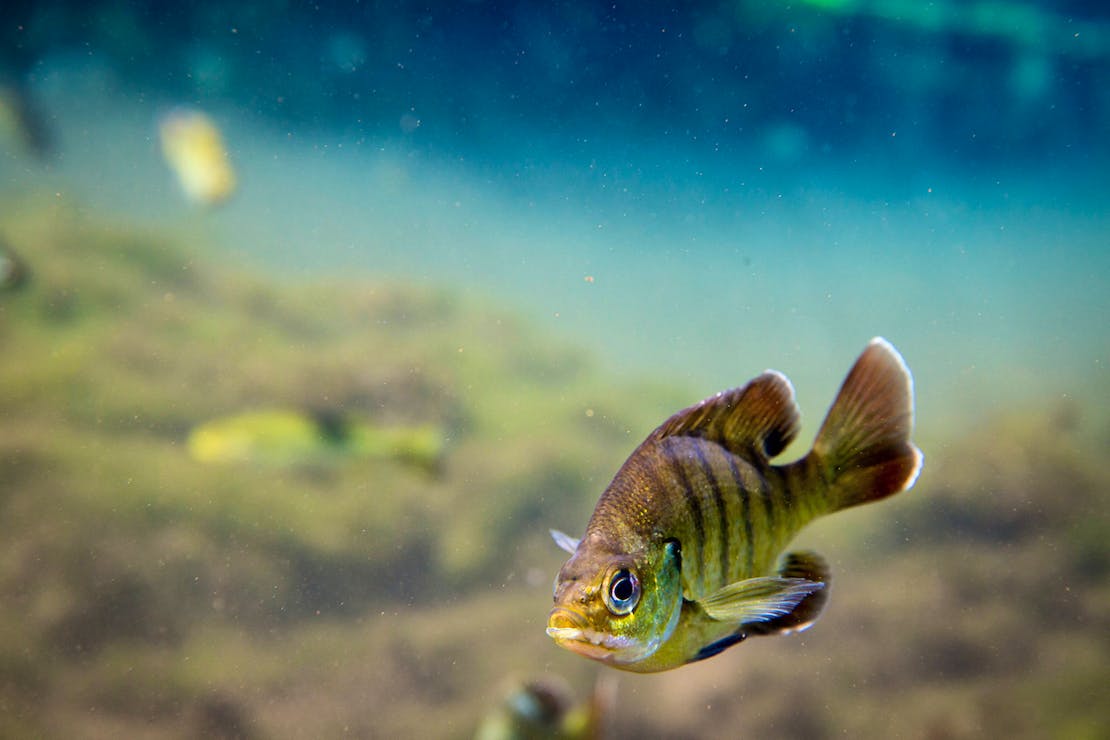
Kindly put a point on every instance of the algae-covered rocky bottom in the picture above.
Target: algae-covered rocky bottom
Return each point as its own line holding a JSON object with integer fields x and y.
{"x": 145, "y": 593}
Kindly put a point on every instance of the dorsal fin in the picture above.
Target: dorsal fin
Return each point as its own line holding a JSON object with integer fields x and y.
{"x": 760, "y": 419}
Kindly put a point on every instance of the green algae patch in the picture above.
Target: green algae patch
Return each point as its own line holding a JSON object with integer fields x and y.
{"x": 379, "y": 418}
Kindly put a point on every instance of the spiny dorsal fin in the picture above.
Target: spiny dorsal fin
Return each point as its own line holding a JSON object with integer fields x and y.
{"x": 760, "y": 419}
{"x": 864, "y": 445}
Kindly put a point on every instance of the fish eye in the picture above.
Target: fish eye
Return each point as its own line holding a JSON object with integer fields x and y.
{"x": 623, "y": 593}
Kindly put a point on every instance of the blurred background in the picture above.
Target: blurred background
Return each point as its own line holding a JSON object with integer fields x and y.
{"x": 314, "y": 319}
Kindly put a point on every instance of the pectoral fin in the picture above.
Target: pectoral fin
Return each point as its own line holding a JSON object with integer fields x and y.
{"x": 811, "y": 567}
{"x": 564, "y": 541}
{"x": 758, "y": 599}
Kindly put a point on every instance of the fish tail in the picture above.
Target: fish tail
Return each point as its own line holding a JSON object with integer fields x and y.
{"x": 863, "y": 451}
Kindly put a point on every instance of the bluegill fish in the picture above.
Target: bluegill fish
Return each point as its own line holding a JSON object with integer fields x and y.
{"x": 681, "y": 558}
{"x": 23, "y": 123}
{"x": 283, "y": 437}
{"x": 545, "y": 709}
{"x": 194, "y": 149}
{"x": 13, "y": 273}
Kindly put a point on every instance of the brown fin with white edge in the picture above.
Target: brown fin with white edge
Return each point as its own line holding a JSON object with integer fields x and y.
{"x": 756, "y": 421}
{"x": 864, "y": 447}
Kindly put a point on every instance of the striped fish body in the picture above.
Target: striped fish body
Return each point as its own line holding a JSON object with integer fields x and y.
{"x": 731, "y": 517}
{"x": 683, "y": 556}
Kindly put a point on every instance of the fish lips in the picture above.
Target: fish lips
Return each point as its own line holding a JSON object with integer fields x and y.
{"x": 569, "y": 630}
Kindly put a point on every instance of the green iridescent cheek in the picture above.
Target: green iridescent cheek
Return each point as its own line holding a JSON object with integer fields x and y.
{"x": 653, "y": 619}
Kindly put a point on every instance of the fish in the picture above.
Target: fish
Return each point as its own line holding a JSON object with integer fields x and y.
{"x": 13, "y": 272}
{"x": 545, "y": 708}
{"x": 194, "y": 149}
{"x": 23, "y": 123}
{"x": 683, "y": 556}
{"x": 286, "y": 437}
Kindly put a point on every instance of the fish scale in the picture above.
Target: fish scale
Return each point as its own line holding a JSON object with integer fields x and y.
{"x": 732, "y": 522}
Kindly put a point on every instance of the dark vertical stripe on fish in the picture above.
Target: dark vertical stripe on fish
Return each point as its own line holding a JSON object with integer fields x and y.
{"x": 722, "y": 514}
{"x": 770, "y": 507}
{"x": 746, "y": 511}
{"x": 693, "y": 505}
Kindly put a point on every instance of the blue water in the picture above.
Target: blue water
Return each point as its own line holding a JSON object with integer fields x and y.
{"x": 669, "y": 262}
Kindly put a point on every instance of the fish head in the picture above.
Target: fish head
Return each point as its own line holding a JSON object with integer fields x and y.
{"x": 617, "y": 607}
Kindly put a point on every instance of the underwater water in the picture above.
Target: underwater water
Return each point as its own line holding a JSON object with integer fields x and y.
{"x": 473, "y": 255}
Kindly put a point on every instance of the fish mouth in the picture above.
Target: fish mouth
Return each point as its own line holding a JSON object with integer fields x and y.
{"x": 569, "y": 630}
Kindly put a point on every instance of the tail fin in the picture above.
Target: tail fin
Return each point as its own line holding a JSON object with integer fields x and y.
{"x": 864, "y": 447}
